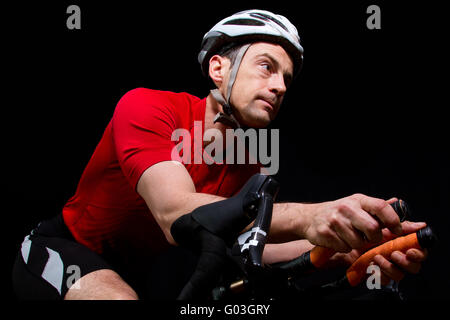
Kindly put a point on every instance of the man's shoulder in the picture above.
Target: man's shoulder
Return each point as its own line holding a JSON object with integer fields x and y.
{"x": 146, "y": 104}
{"x": 153, "y": 95}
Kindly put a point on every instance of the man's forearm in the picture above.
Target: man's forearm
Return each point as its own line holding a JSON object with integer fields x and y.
{"x": 288, "y": 219}
{"x": 285, "y": 232}
{"x": 286, "y": 228}
{"x": 281, "y": 252}
{"x": 288, "y": 222}
{"x": 186, "y": 204}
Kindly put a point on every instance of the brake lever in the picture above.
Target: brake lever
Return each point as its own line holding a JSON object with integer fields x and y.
{"x": 252, "y": 242}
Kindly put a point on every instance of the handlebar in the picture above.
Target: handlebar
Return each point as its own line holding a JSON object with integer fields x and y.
{"x": 318, "y": 257}
{"x": 211, "y": 228}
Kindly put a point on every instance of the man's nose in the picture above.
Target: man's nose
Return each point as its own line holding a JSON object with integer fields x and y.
{"x": 277, "y": 85}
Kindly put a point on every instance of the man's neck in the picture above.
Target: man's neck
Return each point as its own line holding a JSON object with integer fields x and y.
{"x": 211, "y": 110}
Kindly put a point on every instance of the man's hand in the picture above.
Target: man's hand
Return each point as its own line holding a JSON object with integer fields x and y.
{"x": 351, "y": 222}
{"x": 397, "y": 265}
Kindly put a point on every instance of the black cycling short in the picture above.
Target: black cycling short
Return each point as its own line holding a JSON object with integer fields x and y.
{"x": 50, "y": 261}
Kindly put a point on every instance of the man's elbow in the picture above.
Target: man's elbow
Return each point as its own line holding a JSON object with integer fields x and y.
{"x": 165, "y": 221}
{"x": 169, "y": 237}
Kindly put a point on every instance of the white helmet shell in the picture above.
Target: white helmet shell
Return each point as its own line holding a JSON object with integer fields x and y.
{"x": 252, "y": 26}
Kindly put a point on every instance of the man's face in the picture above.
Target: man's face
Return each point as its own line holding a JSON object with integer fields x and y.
{"x": 265, "y": 72}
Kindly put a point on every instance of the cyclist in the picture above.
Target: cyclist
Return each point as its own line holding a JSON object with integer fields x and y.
{"x": 118, "y": 222}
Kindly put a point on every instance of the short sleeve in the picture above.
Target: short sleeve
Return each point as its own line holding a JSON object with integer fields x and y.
{"x": 142, "y": 127}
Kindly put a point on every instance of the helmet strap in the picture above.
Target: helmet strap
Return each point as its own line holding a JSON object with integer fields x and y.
{"x": 235, "y": 68}
{"x": 228, "y": 118}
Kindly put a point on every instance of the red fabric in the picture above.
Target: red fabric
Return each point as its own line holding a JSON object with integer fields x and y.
{"x": 106, "y": 213}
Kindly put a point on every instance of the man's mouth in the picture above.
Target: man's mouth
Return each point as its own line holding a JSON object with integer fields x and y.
{"x": 269, "y": 105}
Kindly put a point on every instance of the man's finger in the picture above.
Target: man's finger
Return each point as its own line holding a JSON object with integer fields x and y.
{"x": 416, "y": 255}
{"x": 392, "y": 200}
{"x": 348, "y": 234}
{"x": 403, "y": 262}
{"x": 388, "y": 268}
{"x": 368, "y": 225}
{"x": 410, "y": 227}
{"x": 383, "y": 211}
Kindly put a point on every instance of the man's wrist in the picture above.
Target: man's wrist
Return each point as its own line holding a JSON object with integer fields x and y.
{"x": 301, "y": 218}
{"x": 290, "y": 221}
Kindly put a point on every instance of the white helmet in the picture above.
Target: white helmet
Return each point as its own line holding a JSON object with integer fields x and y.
{"x": 244, "y": 28}
{"x": 252, "y": 26}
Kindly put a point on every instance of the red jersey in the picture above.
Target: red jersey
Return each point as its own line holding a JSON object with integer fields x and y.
{"x": 106, "y": 213}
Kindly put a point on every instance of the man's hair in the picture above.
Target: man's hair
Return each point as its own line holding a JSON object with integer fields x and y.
{"x": 231, "y": 51}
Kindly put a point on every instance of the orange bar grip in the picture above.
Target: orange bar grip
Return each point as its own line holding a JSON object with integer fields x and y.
{"x": 358, "y": 270}
{"x": 319, "y": 256}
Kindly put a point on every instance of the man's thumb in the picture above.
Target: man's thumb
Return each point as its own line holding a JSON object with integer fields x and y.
{"x": 410, "y": 227}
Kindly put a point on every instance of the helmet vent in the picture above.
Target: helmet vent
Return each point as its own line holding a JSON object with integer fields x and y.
{"x": 245, "y": 22}
{"x": 268, "y": 18}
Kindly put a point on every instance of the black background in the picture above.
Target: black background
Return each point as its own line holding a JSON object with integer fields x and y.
{"x": 366, "y": 114}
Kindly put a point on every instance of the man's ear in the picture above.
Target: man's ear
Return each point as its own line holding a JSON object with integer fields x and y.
{"x": 218, "y": 67}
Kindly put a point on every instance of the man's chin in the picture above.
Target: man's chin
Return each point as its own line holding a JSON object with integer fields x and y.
{"x": 256, "y": 119}
{"x": 258, "y": 123}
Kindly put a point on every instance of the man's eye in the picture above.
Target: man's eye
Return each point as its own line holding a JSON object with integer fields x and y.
{"x": 266, "y": 66}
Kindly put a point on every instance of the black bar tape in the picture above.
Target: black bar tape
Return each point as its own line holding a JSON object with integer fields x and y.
{"x": 227, "y": 218}
{"x": 209, "y": 268}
